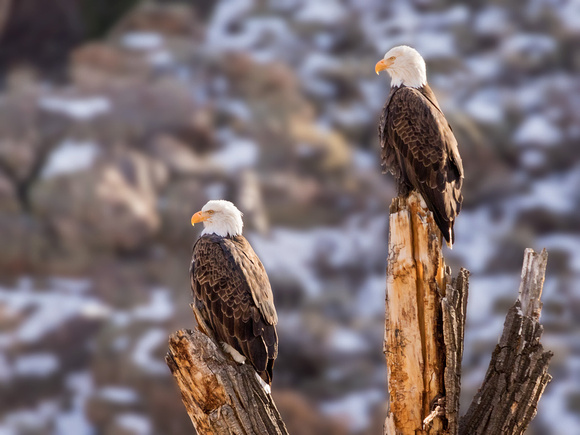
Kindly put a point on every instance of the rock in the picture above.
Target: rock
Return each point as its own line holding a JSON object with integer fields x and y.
{"x": 180, "y": 159}
{"x": 112, "y": 206}
{"x": 251, "y": 201}
{"x": 98, "y": 65}
{"x": 168, "y": 20}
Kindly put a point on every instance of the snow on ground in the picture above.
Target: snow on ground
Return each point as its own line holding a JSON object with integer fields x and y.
{"x": 569, "y": 243}
{"x": 370, "y": 300}
{"x": 142, "y": 356}
{"x": 492, "y": 21}
{"x": 48, "y": 311}
{"x": 142, "y": 41}
{"x": 484, "y": 291}
{"x": 355, "y": 408}
{"x": 81, "y": 109}
{"x": 324, "y": 12}
{"x": 237, "y": 154}
{"x": 340, "y": 247}
{"x": 118, "y": 394}
{"x": 136, "y": 424}
{"x": 36, "y": 365}
{"x": 485, "y": 106}
{"x": 557, "y": 193}
{"x": 312, "y": 71}
{"x": 73, "y": 419}
{"x": 70, "y": 157}
{"x": 555, "y": 402}
{"x": 532, "y": 159}
{"x": 31, "y": 420}
{"x": 297, "y": 265}
{"x": 537, "y": 130}
{"x": 159, "y": 308}
{"x": 534, "y": 47}
{"x": 346, "y": 341}
{"x": 477, "y": 248}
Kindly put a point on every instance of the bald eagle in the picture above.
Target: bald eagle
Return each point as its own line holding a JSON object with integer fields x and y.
{"x": 231, "y": 289}
{"x": 418, "y": 146}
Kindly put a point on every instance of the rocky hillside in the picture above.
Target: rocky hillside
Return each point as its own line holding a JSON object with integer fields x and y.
{"x": 273, "y": 105}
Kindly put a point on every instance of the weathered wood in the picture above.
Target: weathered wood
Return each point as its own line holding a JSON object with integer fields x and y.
{"x": 454, "y": 306}
{"x": 413, "y": 346}
{"x": 220, "y": 396}
{"x": 518, "y": 371}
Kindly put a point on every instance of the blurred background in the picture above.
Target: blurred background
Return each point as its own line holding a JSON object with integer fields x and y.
{"x": 120, "y": 119}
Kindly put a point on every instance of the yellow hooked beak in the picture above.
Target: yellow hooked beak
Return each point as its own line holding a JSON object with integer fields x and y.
{"x": 383, "y": 64}
{"x": 200, "y": 216}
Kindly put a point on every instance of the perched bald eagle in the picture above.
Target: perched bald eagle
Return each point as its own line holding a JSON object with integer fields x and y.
{"x": 418, "y": 146}
{"x": 231, "y": 289}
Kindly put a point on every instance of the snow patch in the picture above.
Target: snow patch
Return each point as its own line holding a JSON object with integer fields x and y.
{"x": 557, "y": 193}
{"x": 239, "y": 154}
{"x": 347, "y": 341}
{"x": 533, "y": 46}
{"x": 70, "y": 157}
{"x": 485, "y": 106}
{"x": 370, "y": 300}
{"x": 354, "y": 409}
{"x": 142, "y": 353}
{"x": 36, "y": 365}
{"x": 142, "y": 41}
{"x": 322, "y": 12}
{"x": 74, "y": 420}
{"x": 49, "y": 310}
{"x": 159, "y": 309}
{"x": 81, "y": 109}
{"x": 492, "y": 21}
{"x": 537, "y": 130}
{"x": 118, "y": 394}
{"x": 137, "y": 424}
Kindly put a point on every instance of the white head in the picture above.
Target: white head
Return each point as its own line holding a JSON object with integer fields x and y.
{"x": 405, "y": 65}
{"x": 219, "y": 217}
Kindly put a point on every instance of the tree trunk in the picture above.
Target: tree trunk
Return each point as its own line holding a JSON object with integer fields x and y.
{"x": 220, "y": 396}
{"x": 424, "y": 329}
{"x": 414, "y": 335}
{"x": 517, "y": 375}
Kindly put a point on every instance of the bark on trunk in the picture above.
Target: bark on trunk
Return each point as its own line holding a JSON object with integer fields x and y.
{"x": 454, "y": 306}
{"x": 517, "y": 375}
{"x": 220, "y": 396}
{"x": 424, "y": 330}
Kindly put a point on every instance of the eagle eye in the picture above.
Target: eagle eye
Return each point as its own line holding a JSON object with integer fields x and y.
{"x": 392, "y": 58}
{"x": 210, "y": 212}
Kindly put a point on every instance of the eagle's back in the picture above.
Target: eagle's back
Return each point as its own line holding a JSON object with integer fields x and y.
{"x": 232, "y": 291}
{"x": 420, "y": 150}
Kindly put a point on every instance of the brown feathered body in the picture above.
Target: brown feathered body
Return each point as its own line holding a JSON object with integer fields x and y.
{"x": 232, "y": 291}
{"x": 420, "y": 150}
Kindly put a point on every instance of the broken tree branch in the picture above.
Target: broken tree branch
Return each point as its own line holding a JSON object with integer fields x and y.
{"x": 220, "y": 396}
{"x": 454, "y": 306}
{"x": 518, "y": 371}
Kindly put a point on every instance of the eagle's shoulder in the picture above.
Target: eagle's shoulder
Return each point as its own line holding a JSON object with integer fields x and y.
{"x": 231, "y": 265}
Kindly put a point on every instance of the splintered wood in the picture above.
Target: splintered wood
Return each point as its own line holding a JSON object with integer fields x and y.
{"x": 413, "y": 346}
{"x": 220, "y": 396}
{"x": 517, "y": 375}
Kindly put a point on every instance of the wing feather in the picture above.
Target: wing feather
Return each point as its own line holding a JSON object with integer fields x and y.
{"x": 419, "y": 148}
{"x": 231, "y": 285}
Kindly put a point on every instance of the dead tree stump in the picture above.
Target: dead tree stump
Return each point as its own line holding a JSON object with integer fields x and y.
{"x": 414, "y": 339}
{"x": 517, "y": 375}
{"x": 220, "y": 396}
{"x": 424, "y": 330}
